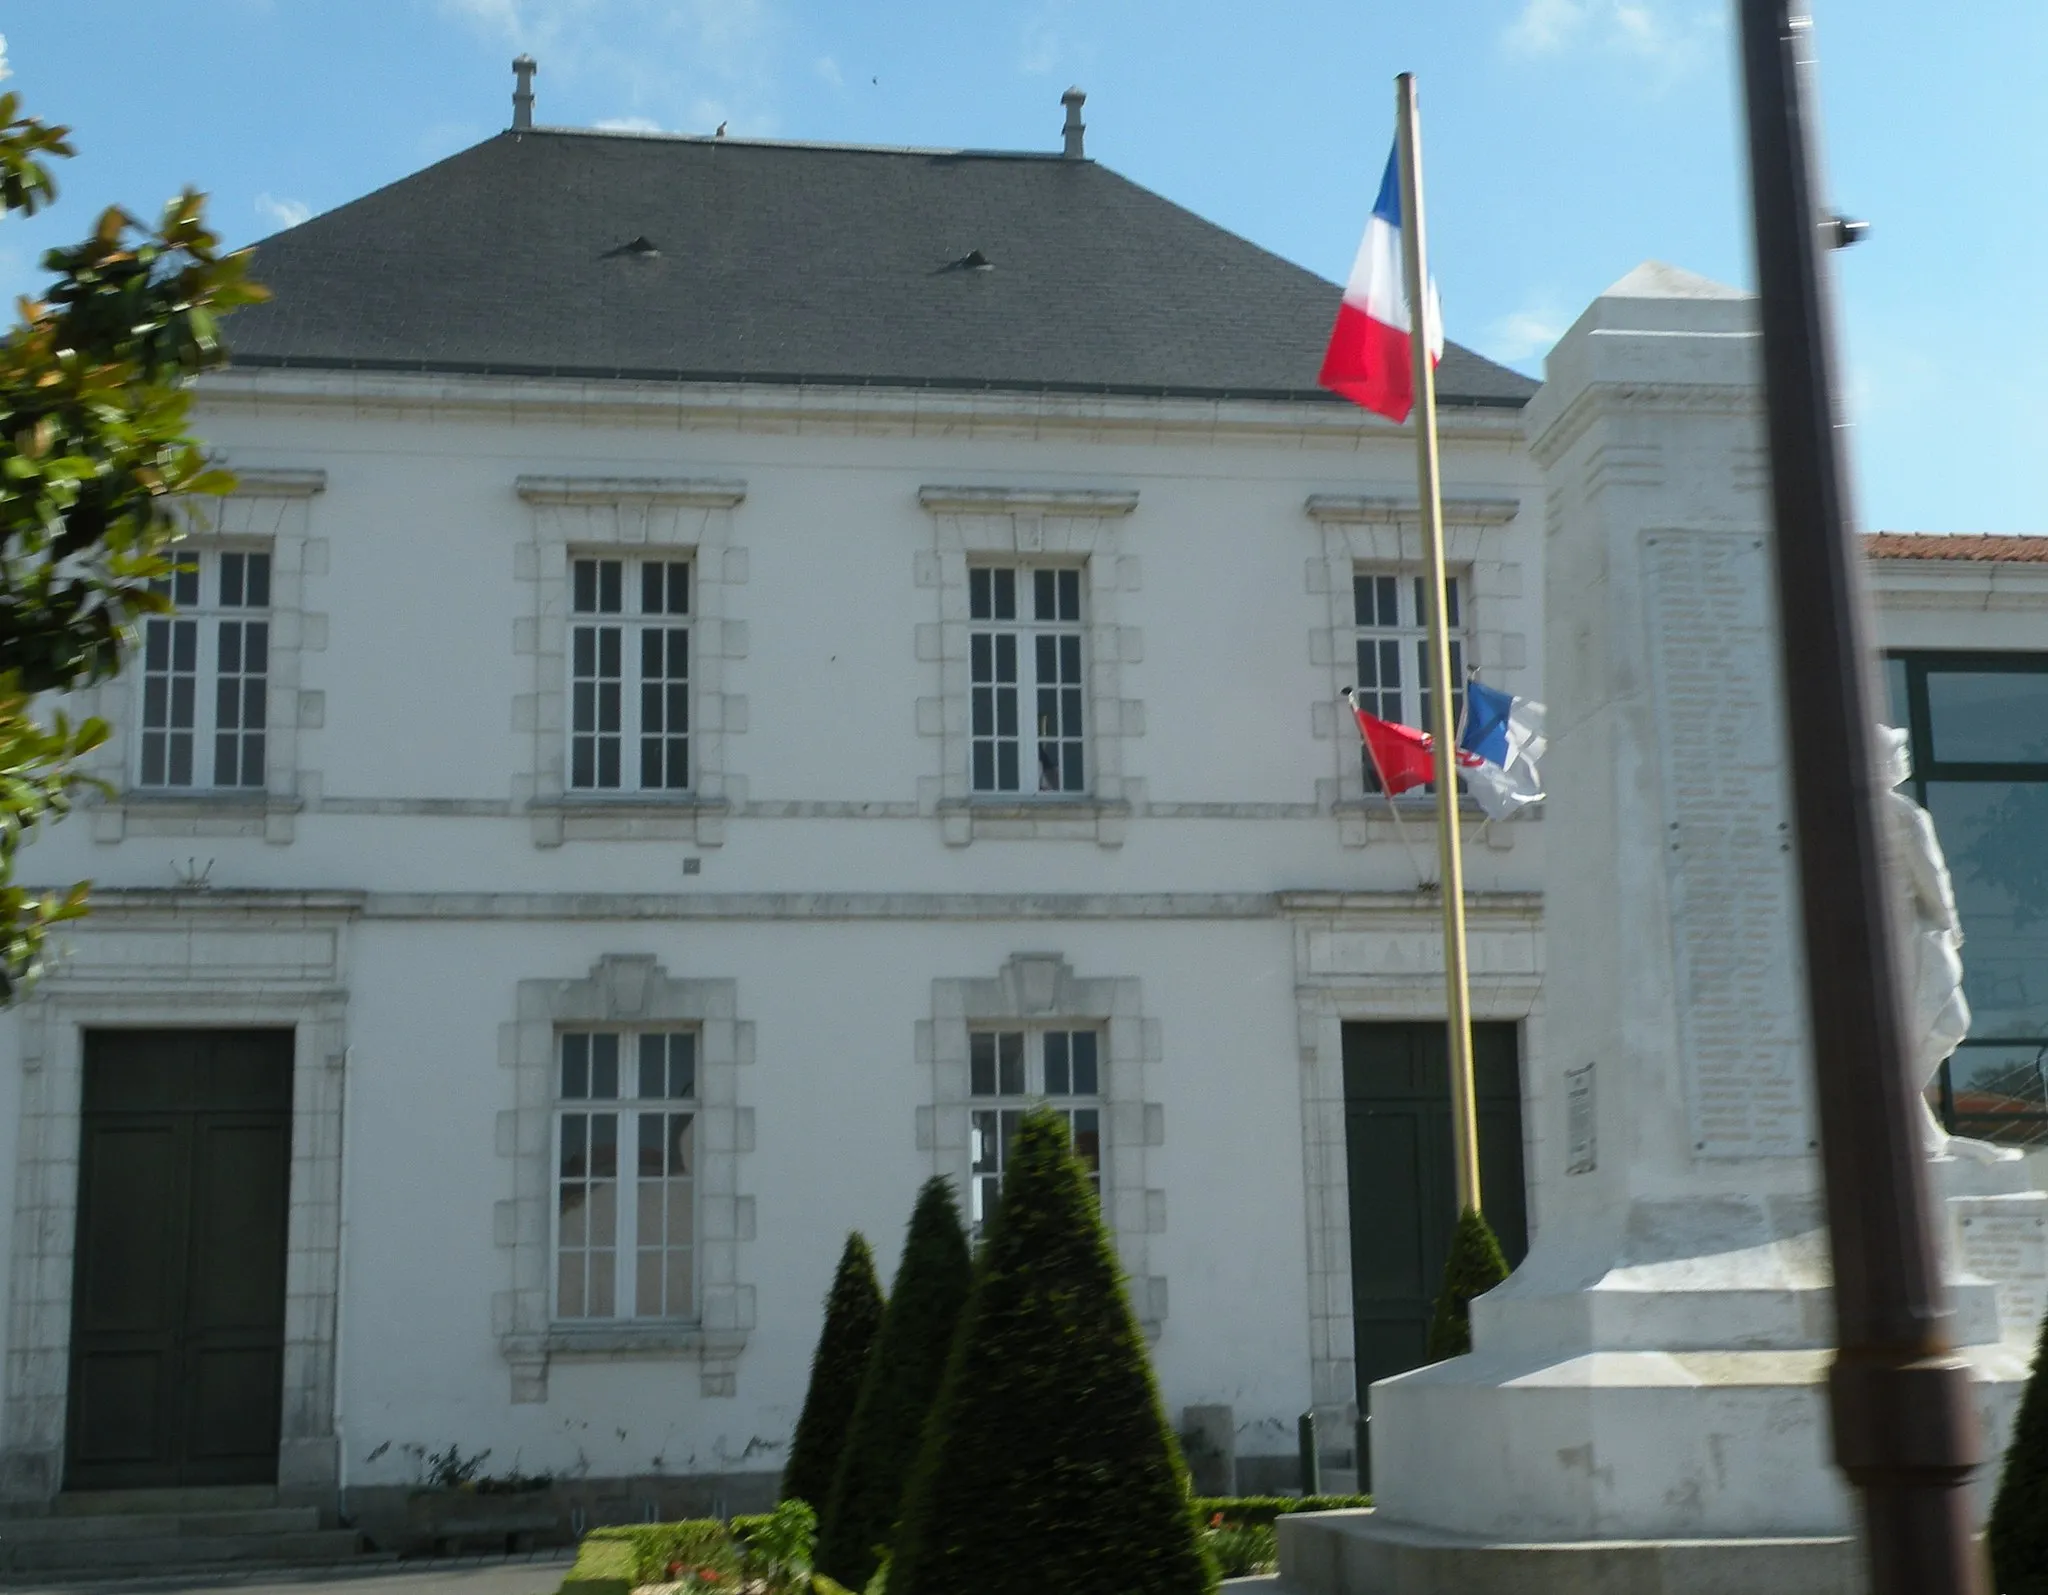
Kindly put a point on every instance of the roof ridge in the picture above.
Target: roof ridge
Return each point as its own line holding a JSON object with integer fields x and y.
{"x": 835, "y": 146}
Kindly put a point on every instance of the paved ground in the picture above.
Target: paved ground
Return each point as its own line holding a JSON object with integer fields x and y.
{"x": 540, "y": 1574}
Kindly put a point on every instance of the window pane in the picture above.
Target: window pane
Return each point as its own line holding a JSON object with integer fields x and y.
{"x": 647, "y": 1270}
{"x": 1058, "y": 1072}
{"x": 256, "y": 592}
{"x": 1005, "y": 594}
{"x": 230, "y": 581}
{"x": 682, "y": 1144}
{"x": 604, "y": 1146}
{"x": 576, "y": 1066}
{"x": 569, "y": 1286}
{"x": 1070, "y": 595}
{"x": 2000, "y": 1093}
{"x": 980, "y": 606}
{"x": 575, "y": 1145}
{"x": 603, "y": 1301}
{"x": 1044, "y": 601}
{"x": 986, "y": 1148}
{"x": 650, "y": 1146}
{"x": 981, "y": 1064}
{"x": 1995, "y": 835}
{"x": 604, "y": 1064}
{"x": 1010, "y": 1063}
{"x": 1901, "y": 711}
{"x": 1988, "y": 717}
{"x": 1086, "y": 1124}
{"x": 654, "y": 1066}
{"x": 573, "y": 1214}
{"x": 583, "y": 586}
{"x": 1086, "y": 1080}
{"x": 611, "y": 579}
{"x": 682, "y": 1066}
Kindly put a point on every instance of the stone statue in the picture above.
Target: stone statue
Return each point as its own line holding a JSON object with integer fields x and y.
{"x": 1932, "y": 936}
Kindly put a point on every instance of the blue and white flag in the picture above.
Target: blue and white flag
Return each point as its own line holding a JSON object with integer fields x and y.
{"x": 1499, "y": 742}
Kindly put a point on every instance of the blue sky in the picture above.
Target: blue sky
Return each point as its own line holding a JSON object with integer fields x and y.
{"x": 1566, "y": 140}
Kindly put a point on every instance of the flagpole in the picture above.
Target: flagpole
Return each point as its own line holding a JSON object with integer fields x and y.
{"x": 1429, "y": 478}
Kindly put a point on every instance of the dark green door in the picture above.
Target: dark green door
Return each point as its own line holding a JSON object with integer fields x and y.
{"x": 177, "y": 1337}
{"x": 1397, "y": 1123}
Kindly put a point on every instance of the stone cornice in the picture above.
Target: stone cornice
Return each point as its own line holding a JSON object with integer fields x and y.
{"x": 695, "y": 492}
{"x": 1075, "y": 501}
{"x": 768, "y": 408}
{"x": 263, "y": 481}
{"x": 1403, "y": 906}
{"x": 1566, "y": 427}
{"x": 1910, "y": 584}
{"x": 1350, "y": 507}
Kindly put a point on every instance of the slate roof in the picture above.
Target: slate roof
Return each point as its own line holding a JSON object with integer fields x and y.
{"x": 780, "y": 262}
{"x": 1976, "y": 547}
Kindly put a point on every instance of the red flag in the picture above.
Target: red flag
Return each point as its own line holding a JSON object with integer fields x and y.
{"x": 1404, "y": 757}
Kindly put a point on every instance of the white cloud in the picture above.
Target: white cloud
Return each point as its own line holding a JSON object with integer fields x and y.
{"x": 6, "y": 71}
{"x": 283, "y": 212}
{"x": 628, "y": 124}
{"x": 1528, "y": 333}
{"x": 828, "y": 69}
{"x": 668, "y": 60}
{"x": 1659, "y": 31}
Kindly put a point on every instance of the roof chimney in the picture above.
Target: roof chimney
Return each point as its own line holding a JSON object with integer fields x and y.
{"x": 1073, "y": 100}
{"x": 522, "y": 96}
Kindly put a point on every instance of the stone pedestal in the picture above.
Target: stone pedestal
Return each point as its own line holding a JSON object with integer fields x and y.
{"x": 1653, "y": 1374}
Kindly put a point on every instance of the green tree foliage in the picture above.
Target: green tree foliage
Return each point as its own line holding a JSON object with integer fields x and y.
{"x": 1474, "y": 1267}
{"x": 94, "y": 455}
{"x": 853, "y": 1317}
{"x": 2018, "y": 1532}
{"x": 903, "y": 1376}
{"x": 1048, "y": 1463}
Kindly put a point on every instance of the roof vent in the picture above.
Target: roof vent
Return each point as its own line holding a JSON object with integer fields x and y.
{"x": 973, "y": 260}
{"x": 641, "y": 248}
{"x": 1073, "y": 100}
{"x": 523, "y": 69}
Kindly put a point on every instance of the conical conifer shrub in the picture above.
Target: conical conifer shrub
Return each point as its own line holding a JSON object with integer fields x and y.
{"x": 1473, "y": 1268}
{"x": 904, "y": 1370}
{"x": 853, "y": 1317}
{"x": 1047, "y": 1463}
{"x": 2018, "y": 1533}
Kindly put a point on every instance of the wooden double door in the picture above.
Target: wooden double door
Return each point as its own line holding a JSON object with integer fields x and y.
{"x": 177, "y": 1337}
{"x": 1397, "y": 1113}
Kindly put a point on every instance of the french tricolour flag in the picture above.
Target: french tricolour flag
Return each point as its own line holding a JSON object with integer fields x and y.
{"x": 1500, "y": 738}
{"x": 1370, "y": 361}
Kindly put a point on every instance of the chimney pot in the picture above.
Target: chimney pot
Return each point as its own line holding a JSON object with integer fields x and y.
{"x": 523, "y": 69}
{"x": 1073, "y": 100}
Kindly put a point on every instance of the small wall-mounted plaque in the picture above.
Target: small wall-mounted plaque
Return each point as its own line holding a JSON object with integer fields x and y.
{"x": 1581, "y": 1149}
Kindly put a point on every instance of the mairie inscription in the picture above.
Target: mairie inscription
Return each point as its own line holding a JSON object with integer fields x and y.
{"x": 1713, "y": 658}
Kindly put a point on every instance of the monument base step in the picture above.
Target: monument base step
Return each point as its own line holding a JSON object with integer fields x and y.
{"x": 1354, "y": 1553}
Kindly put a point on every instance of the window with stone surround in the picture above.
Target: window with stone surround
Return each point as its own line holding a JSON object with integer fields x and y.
{"x": 629, "y": 675}
{"x": 1025, "y": 653}
{"x": 1010, "y": 1071}
{"x": 1035, "y": 1032}
{"x": 626, "y": 1157}
{"x": 1390, "y": 609}
{"x": 627, "y": 1224}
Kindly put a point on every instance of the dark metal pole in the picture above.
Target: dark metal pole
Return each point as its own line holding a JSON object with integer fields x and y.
{"x": 1904, "y": 1429}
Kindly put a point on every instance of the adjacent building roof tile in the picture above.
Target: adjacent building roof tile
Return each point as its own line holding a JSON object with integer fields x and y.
{"x": 1976, "y": 547}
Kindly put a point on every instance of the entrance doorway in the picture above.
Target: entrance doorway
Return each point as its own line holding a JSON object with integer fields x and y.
{"x": 1397, "y": 1133}
{"x": 177, "y": 1337}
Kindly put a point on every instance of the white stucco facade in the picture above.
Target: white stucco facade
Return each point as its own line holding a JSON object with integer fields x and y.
{"x": 830, "y": 908}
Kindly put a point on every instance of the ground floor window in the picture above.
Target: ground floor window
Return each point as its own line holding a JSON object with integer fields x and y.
{"x": 626, "y": 1160}
{"x": 1009, "y": 1071}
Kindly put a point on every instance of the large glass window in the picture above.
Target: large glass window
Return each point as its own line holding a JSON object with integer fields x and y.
{"x": 629, "y": 675}
{"x": 1025, "y": 655}
{"x": 206, "y": 674}
{"x": 1390, "y": 609}
{"x": 1008, "y": 1071}
{"x": 1979, "y": 727}
{"x": 626, "y": 1162}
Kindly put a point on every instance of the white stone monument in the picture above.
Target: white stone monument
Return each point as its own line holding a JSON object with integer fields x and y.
{"x": 1645, "y": 1406}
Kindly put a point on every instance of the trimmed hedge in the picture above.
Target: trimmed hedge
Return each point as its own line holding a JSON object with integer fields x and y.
{"x": 904, "y": 1370}
{"x": 1048, "y": 1463}
{"x": 2018, "y": 1533}
{"x": 614, "y": 1559}
{"x": 853, "y": 1317}
{"x": 1265, "y": 1508}
{"x": 604, "y": 1565}
{"x": 1476, "y": 1264}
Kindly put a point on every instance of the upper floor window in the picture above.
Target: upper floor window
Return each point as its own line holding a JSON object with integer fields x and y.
{"x": 1978, "y": 728}
{"x": 629, "y": 675}
{"x": 626, "y": 1161}
{"x": 1390, "y": 611}
{"x": 1027, "y": 691}
{"x": 206, "y": 674}
{"x": 1007, "y": 1072}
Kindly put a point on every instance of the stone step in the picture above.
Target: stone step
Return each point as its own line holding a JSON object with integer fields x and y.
{"x": 178, "y": 1551}
{"x": 197, "y": 1498}
{"x": 162, "y": 1525}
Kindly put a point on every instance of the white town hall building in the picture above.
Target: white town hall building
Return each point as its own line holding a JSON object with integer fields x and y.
{"x": 731, "y": 665}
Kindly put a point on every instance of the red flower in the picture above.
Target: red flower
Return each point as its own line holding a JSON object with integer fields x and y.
{"x": 1216, "y": 1520}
